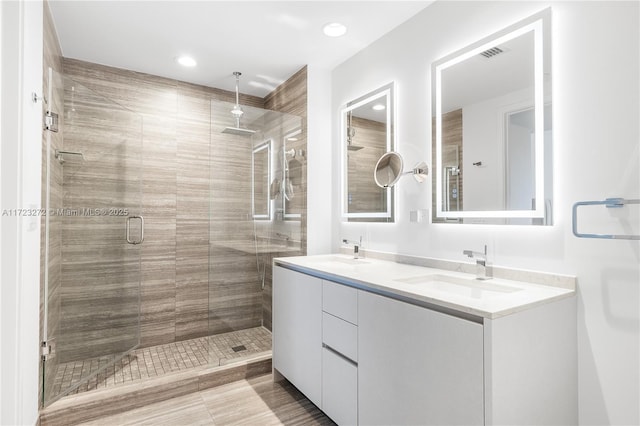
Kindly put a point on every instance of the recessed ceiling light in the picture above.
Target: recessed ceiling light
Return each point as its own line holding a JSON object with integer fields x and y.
{"x": 186, "y": 61}
{"x": 378, "y": 107}
{"x": 334, "y": 29}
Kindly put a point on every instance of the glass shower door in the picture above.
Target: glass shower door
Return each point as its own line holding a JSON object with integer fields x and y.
{"x": 93, "y": 235}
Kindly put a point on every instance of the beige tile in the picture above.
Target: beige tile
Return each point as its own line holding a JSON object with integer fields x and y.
{"x": 260, "y": 401}
{"x": 184, "y": 410}
{"x": 233, "y": 373}
{"x": 90, "y": 405}
{"x": 187, "y": 355}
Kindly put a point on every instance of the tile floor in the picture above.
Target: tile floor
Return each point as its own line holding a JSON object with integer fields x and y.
{"x": 258, "y": 401}
{"x": 158, "y": 360}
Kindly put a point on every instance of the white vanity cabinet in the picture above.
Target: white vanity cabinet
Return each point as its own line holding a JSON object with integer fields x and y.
{"x": 368, "y": 356}
{"x": 417, "y": 366}
{"x": 297, "y": 330}
{"x": 368, "y": 359}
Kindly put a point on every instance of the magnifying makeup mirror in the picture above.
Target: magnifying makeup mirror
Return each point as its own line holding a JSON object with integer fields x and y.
{"x": 388, "y": 170}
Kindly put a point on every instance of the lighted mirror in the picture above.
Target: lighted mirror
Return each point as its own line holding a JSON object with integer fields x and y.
{"x": 367, "y": 132}
{"x": 260, "y": 182}
{"x": 493, "y": 129}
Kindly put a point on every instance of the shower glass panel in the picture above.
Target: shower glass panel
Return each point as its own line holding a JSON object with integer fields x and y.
{"x": 242, "y": 245}
{"x": 91, "y": 295}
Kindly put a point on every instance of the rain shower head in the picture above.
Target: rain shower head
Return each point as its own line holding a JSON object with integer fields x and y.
{"x": 238, "y": 131}
{"x": 237, "y": 113}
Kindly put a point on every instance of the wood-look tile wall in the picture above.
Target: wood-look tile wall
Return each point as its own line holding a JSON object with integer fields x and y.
{"x": 233, "y": 287}
{"x": 100, "y": 272}
{"x": 175, "y": 200}
{"x": 364, "y": 195}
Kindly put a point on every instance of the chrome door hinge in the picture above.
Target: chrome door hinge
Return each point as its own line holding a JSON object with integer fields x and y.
{"x": 47, "y": 350}
{"x": 51, "y": 121}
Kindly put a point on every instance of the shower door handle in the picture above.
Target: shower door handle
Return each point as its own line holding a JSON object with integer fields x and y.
{"x": 128, "y": 228}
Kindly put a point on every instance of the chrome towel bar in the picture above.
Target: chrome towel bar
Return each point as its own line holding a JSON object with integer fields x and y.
{"x": 610, "y": 203}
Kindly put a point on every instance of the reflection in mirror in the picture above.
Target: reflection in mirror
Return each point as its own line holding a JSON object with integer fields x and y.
{"x": 492, "y": 125}
{"x": 293, "y": 161}
{"x": 260, "y": 182}
{"x": 388, "y": 170}
{"x": 367, "y": 133}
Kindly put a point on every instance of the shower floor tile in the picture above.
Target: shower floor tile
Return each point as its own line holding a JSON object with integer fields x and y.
{"x": 155, "y": 361}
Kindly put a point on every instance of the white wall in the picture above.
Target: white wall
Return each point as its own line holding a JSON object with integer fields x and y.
{"x": 596, "y": 134}
{"x": 319, "y": 183}
{"x": 20, "y": 170}
{"x": 483, "y": 141}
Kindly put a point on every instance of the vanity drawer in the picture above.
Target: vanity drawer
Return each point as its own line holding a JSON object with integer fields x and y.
{"x": 340, "y": 335}
{"x": 340, "y": 300}
{"x": 339, "y": 388}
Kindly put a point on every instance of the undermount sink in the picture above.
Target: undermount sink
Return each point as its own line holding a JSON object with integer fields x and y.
{"x": 342, "y": 259}
{"x": 459, "y": 286}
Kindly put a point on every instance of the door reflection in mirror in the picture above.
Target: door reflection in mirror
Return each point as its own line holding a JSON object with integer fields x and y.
{"x": 492, "y": 108}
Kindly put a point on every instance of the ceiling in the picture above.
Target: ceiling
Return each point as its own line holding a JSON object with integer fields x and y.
{"x": 267, "y": 41}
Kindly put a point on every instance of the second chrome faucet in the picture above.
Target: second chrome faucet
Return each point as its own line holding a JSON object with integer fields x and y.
{"x": 356, "y": 246}
{"x": 483, "y": 270}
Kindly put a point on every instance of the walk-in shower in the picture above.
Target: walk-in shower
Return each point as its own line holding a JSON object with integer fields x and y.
{"x": 94, "y": 277}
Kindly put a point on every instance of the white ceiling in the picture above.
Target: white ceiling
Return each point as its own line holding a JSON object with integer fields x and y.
{"x": 267, "y": 41}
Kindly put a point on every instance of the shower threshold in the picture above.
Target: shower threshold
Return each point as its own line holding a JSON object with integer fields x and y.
{"x": 157, "y": 361}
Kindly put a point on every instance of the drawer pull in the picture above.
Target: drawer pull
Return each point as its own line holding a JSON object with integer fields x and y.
{"x": 330, "y": 349}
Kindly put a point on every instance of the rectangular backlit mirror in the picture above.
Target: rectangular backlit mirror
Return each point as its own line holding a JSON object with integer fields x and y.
{"x": 367, "y": 132}
{"x": 261, "y": 177}
{"x": 492, "y": 122}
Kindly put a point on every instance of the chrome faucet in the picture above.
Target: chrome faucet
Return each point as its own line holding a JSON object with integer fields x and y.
{"x": 483, "y": 271}
{"x": 356, "y": 247}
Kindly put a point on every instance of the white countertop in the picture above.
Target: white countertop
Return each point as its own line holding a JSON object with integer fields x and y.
{"x": 491, "y": 299}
